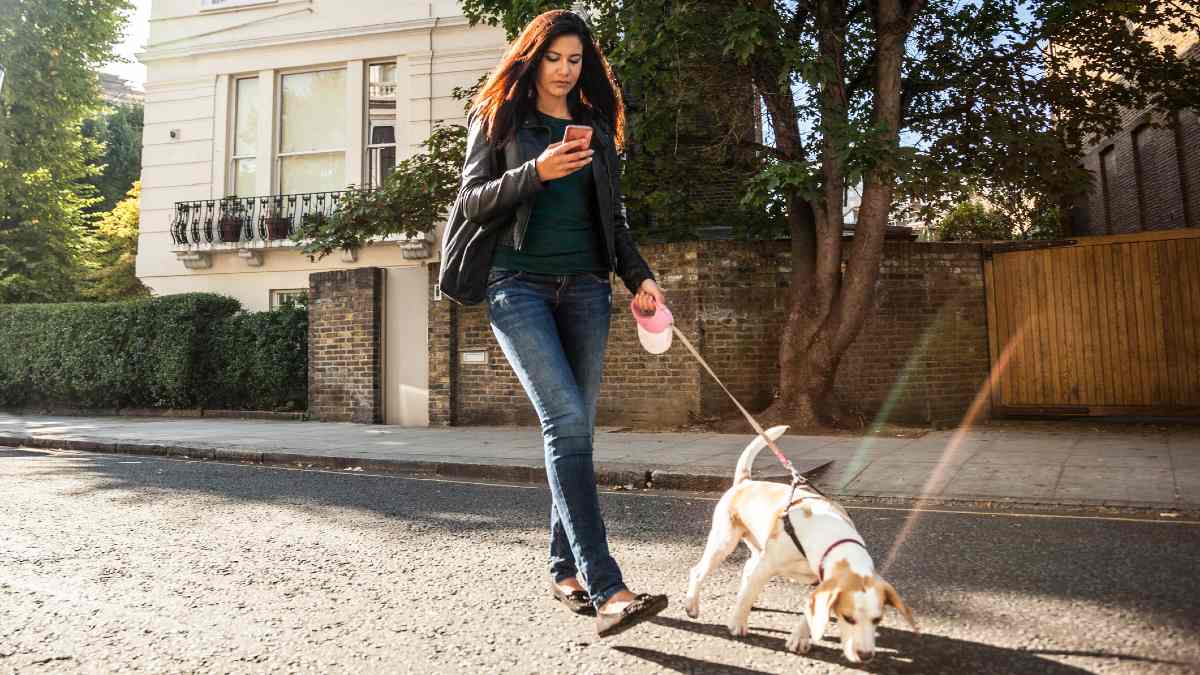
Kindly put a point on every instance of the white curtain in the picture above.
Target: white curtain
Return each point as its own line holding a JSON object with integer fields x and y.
{"x": 313, "y": 110}
{"x": 245, "y": 142}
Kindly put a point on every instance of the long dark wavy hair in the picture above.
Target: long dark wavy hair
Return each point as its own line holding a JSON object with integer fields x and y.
{"x": 510, "y": 92}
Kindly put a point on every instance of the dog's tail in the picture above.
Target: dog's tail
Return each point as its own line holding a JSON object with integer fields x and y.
{"x": 742, "y": 472}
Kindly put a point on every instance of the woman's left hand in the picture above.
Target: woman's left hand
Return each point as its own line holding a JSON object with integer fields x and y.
{"x": 648, "y": 295}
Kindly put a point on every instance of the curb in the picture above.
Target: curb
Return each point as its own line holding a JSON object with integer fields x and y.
{"x": 613, "y": 475}
{"x": 190, "y": 413}
{"x": 673, "y": 479}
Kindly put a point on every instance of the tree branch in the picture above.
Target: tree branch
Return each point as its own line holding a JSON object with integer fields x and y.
{"x": 770, "y": 150}
{"x": 854, "y": 86}
{"x": 862, "y": 270}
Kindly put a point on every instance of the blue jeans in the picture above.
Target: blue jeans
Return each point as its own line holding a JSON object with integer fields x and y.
{"x": 553, "y": 330}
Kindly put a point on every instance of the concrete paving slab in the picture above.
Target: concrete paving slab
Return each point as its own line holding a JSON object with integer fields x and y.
{"x": 1185, "y": 459}
{"x": 949, "y": 456}
{"x": 885, "y": 477}
{"x": 1132, "y": 446}
{"x": 1187, "y": 485}
{"x": 983, "y": 462}
{"x": 879, "y": 443}
{"x": 1117, "y": 484}
{"x": 1160, "y": 459}
{"x": 1184, "y": 440}
{"x": 1020, "y": 458}
{"x": 1023, "y": 482}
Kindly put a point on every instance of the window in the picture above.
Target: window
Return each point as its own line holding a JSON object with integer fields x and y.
{"x": 1108, "y": 174}
{"x": 381, "y": 122}
{"x": 223, "y": 4}
{"x": 245, "y": 137}
{"x": 289, "y": 296}
{"x": 312, "y": 132}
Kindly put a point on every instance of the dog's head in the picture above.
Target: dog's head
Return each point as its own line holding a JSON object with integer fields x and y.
{"x": 857, "y": 602}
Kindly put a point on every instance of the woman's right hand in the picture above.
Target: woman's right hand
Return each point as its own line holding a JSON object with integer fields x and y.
{"x": 563, "y": 159}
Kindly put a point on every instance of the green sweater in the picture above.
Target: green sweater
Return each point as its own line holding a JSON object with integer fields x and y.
{"x": 561, "y": 237}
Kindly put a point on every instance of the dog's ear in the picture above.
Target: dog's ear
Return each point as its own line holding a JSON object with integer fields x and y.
{"x": 891, "y": 597}
{"x": 819, "y": 605}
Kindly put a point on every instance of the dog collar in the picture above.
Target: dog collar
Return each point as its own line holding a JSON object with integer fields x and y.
{"x": 839, "y": 542}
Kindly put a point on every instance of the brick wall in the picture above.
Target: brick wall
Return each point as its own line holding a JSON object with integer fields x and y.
{"x": 1145, "y": 178}
{"x": 921, "y": 357}
{"x": 443, "y": 330}
{"x": 923, "y": 354}
{"x": 344, "y": 349}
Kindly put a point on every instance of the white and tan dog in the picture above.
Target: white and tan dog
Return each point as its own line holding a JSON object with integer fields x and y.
{"x": 840, "y": 566}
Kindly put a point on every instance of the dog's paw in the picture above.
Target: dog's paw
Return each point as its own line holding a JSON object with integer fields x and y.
{"x": 692, "y": 607}
{"x": 739, "y": 629}
{"x": 798, "y": 645}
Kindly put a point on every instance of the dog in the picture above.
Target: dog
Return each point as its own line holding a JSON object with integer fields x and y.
{"x": 831, "y": 556}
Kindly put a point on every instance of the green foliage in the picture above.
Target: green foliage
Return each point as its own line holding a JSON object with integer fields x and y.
{"x": 996, "y": 96}
{"x": 259, "y": 361}
{"x": 690, "y": 111}
{"x": 119, "y": 131}
{"x": 971, "y": 221}
{"x": 999, "y": 220}
{"x": 411, "y": 200}
{"x": 135, "y": 353}
{"x": 513, "y": 14}
{"x": 51, "y": 51}
{"x": 113, "y": 273}
{"x": 176, "y": 351}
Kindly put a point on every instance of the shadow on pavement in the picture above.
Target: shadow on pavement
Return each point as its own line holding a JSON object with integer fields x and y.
{"x": 913, "y": 653}
{"x": 946, "y": 559}
{"x": 684, "y": 664}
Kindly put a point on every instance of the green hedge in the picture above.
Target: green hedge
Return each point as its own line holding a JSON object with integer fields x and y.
{"x": 259, "y": 361}
{"x": 165, "y": 352}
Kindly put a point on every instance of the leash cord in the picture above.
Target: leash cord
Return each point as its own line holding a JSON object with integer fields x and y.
{"x": 797, "y": 477}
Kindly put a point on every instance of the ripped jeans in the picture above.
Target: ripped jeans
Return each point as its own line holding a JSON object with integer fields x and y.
{"x": 553, "y": 330}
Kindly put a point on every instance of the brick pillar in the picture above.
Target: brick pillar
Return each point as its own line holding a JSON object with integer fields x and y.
{"x": 345, "y": 308}
{"x": 443, "y": 340}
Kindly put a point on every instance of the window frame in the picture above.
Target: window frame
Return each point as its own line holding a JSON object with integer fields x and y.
{"x": 231, "y": 179}
{"x": 277, "y": 154}
{"x": 278, "y": 295}
{"x": 207, "y": 5}
{"x": 368, "y": 146}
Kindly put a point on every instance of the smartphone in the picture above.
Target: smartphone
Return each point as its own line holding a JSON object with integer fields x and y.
{"x": 575, "y": 132}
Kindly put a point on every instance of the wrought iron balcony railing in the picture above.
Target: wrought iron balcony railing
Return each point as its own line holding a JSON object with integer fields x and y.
{"x": 246, "y": 220}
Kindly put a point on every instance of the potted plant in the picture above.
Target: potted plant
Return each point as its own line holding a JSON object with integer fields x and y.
{"x": 232, "y": 220}
{"x": 279, "y": 226}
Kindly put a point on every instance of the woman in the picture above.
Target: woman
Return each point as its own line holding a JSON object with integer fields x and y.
{"x": 554, "y": 210}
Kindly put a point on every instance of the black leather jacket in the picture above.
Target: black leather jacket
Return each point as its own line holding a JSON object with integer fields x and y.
{"x": 484, "y": 198}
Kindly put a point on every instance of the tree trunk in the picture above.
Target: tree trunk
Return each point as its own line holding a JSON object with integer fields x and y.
{"x": 829, "y": 306}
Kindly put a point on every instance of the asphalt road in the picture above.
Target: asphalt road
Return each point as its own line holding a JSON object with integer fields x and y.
{"x": 122, "y": 563}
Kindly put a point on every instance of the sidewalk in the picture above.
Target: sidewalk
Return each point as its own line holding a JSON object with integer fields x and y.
{"x": 1070, "y": 464}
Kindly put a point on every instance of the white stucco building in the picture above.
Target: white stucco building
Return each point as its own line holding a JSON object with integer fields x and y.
{"x": 283, "y": 103}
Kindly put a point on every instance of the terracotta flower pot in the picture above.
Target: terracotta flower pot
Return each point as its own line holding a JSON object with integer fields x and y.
{"x": 230, "y": 228}
{"x": 278, "y": 227}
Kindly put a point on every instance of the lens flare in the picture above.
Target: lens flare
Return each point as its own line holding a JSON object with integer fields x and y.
{"x": 954, "y": 445}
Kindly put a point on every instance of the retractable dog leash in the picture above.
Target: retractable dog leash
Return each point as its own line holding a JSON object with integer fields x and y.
{"x": 797, "y": 477}
{"x": 653, "y": 333}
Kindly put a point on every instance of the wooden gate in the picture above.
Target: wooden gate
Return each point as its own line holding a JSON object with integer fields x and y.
{"x": 1096, "y": 326}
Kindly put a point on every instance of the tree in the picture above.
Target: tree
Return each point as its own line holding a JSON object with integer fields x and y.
{"x": 411, "y": 200}
{"x": 51, "y": 51}
{"x": 119, "y": 131}
{"x": 677, "y": 91}
{"x": 972, "y": 221}
{"x": 918, "y": 100}
{"x": 114, "y": 274}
